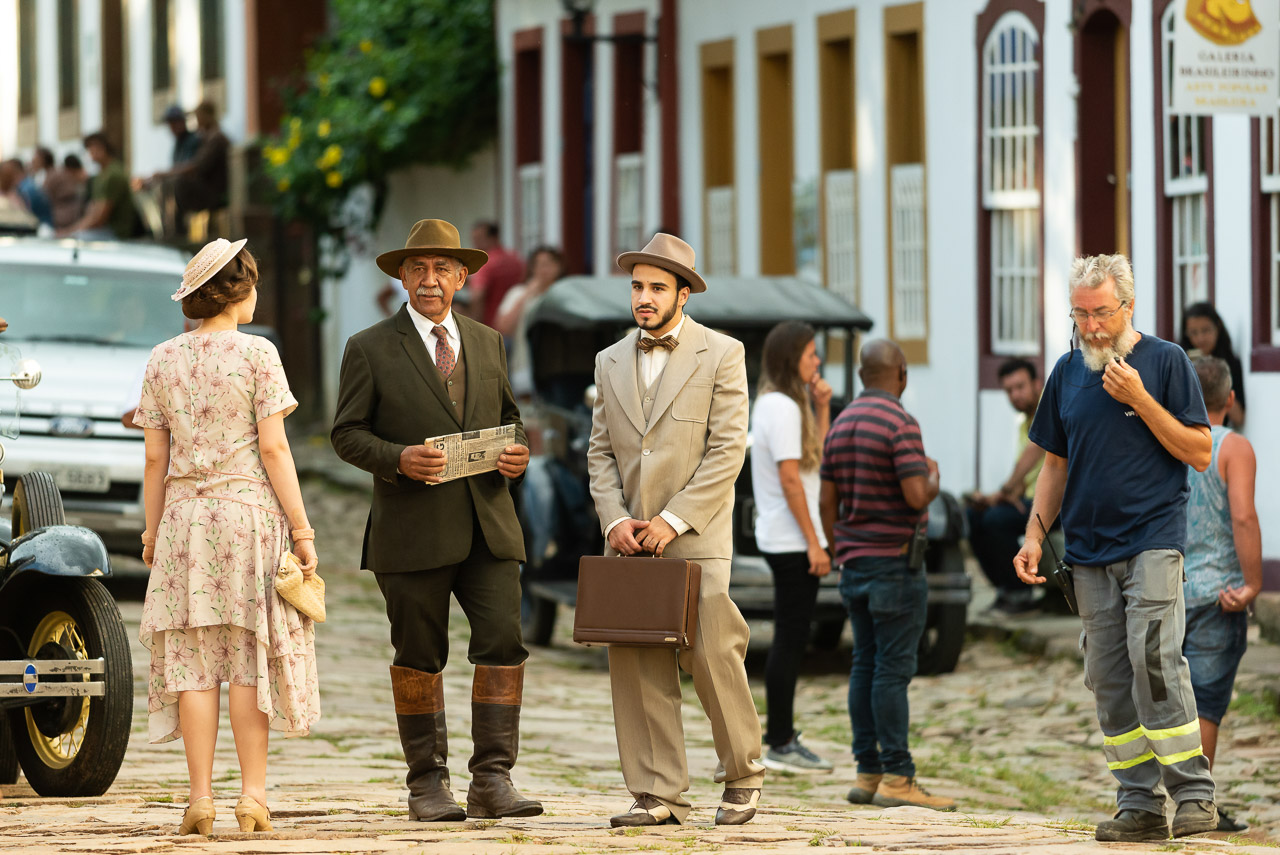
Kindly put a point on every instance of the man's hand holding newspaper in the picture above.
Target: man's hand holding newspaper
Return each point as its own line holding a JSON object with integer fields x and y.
{"x": 472, "y": 452}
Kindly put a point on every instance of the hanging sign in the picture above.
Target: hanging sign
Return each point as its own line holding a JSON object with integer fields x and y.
{"x": 1226, "y": 56}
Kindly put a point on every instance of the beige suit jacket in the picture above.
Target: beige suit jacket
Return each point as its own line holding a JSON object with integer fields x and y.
{"x": 686, "y": 459}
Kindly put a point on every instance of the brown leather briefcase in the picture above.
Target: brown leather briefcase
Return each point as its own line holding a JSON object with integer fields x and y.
{"x": 637, "y": 602}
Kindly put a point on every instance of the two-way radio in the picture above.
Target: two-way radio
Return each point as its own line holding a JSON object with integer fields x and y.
{"x": 1061, "y": 573}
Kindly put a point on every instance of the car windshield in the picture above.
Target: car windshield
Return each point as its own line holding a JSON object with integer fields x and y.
{"x": 88, "y": 305}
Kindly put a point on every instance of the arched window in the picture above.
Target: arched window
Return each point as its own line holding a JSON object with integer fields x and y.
{"x": 1185, "y": 240}
{"x": 1010, "y": 187}
{"x": 1010, "y": 232}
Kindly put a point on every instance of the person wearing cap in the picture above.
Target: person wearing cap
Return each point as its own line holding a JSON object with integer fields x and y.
{"x": 185, "y": 143}
{"x": 223, "y": 507}
{"x": 668, "y": 438}
{"x": 425, "y": 372}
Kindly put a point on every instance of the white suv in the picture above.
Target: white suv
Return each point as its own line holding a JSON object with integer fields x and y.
{"x": 89, "y": 313}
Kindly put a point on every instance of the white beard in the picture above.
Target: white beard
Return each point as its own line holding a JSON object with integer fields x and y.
{"x": 1099, "y": 349}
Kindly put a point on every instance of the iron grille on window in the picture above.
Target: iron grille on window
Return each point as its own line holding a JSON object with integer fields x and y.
{"x": 1186, "y": 183}
{"x": 1010, "y": 189}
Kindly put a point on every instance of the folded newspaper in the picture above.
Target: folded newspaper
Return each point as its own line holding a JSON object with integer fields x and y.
{"x": 472, "y": 452}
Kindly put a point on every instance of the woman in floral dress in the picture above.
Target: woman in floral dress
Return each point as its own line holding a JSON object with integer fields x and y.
{"x": 223, "y": 505}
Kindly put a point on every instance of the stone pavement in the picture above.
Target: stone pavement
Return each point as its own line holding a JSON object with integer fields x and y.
{"x": 1011, "y": 735}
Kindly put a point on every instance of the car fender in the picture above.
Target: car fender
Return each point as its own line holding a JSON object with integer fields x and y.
{"x": 57, "y": 550}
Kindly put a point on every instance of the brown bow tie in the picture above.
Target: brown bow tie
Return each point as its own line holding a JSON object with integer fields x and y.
{"x": 648, "y": 343}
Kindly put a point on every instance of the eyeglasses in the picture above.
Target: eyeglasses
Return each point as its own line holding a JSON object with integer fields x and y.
{"x": 1101, "y": 316}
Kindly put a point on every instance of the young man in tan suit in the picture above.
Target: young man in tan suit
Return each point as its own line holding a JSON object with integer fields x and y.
{"x": 668, "y": 437}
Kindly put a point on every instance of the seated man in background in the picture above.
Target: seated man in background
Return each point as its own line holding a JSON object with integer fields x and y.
{"x": 997, "y": 520}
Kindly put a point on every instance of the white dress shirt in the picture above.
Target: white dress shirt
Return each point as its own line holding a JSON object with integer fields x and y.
{"x": 426, "y": 328}
{"x": 652, "y": 363}
{"x": 651, "y": 366}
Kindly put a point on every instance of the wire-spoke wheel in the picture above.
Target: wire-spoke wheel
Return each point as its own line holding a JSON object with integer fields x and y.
{"x": 57, "y": 635}
{"x": 73, "y": 746}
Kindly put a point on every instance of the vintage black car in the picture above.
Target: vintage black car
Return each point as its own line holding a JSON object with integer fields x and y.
{"x": 66, "y": 672}
{"x": 578, "y": 317}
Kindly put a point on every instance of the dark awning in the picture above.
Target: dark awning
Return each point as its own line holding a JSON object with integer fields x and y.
{"x": 578, "y": 302}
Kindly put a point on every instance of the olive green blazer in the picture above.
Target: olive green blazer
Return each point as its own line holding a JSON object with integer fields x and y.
{"x": 391, "y": 395}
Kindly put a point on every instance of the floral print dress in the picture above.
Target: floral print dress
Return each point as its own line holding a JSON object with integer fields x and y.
{"x": 211, "y": 613}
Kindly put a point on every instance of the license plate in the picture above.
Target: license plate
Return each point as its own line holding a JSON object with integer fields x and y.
{"x": 79, "y": 479}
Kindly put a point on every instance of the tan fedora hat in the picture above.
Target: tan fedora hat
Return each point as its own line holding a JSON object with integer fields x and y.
{"x": 671, "y": 254}
{"x": 432, "y": 237}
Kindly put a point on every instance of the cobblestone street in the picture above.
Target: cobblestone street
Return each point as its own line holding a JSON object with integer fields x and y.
{"x": 1011, "y": 736}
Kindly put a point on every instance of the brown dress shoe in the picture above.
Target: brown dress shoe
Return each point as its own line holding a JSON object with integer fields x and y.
{"x": 644, "y": 812}
{"x": 737, "y": 805}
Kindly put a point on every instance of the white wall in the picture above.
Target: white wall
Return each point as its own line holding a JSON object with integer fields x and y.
{"x": 8, "y": 79}
{"x": 942, "y": 393}
{"x": 516, "y": 15}
{"x": 150, "y": 143}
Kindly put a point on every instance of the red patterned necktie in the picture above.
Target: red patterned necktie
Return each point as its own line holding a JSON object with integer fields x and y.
{"x": 445, "y": 359}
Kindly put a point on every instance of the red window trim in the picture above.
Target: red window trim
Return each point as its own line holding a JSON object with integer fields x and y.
{"x": 1263, "y": 355}
{"x": 988, "y": 362}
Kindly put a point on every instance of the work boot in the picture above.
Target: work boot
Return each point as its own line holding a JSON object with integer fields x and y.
{"x": 899, "y": 790}
{"x": 1227, "y": 822}
{"x": 1131, "y": 825}
{"x": 495, "y": 729}
{"x": 1194, "y": 817}
{"x": 864, "y": 788}
{"x": 419, "y": 697}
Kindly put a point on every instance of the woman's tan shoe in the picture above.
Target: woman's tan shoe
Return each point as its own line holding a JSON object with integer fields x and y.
{"x": 252, "y": 815}
{"x": 198, "y": 817}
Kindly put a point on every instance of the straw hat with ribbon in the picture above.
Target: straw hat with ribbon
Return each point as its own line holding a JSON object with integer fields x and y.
{"x": 213, "y": 257}
{"x": 671, "y": 254}
{"x": 432, "y": 237}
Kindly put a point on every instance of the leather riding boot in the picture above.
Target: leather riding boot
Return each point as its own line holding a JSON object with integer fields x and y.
{"x": 495, "y": 730}
{"x": 420, "y": 717}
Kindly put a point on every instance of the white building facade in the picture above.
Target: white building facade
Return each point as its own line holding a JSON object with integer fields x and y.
{"x": 939, "y": 162}
{"x": 72, "y": 67}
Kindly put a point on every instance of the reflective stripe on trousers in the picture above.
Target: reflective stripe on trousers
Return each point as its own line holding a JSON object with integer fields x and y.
{"x": 1167, "y": 746}
{"x": 1134, "y": 618}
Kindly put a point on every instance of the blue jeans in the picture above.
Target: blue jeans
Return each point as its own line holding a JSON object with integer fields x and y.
{"x": 1213, "y": 645}
{"x": 886, "y": 603}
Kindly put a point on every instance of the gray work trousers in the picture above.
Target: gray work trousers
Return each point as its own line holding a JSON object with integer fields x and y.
{"x": 1134, "y": 617}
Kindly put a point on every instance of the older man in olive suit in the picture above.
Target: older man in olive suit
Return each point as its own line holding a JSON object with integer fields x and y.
{"x": 668, "y": 438}
{"x": 427, "y": 372}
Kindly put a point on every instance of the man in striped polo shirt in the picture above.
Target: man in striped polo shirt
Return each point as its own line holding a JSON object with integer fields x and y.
{"x": 876, "y": 484}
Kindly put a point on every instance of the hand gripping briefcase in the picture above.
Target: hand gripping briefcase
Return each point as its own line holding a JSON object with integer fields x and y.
{"x": 637, "y": 602}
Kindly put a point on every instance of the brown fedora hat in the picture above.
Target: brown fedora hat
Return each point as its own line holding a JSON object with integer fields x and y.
{"x": 432, "y": 237}
{"x": 671, "y": 254}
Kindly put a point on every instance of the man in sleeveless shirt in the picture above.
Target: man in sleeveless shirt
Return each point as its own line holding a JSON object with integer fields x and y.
{"x": 1224, "y": 563}
{"x": 668, "y": 438}
{"x": 1120, "y": 421}
{"x": 429, "y": 372}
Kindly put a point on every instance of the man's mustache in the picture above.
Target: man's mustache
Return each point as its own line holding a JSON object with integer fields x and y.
{"x": 433, "y": 291}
